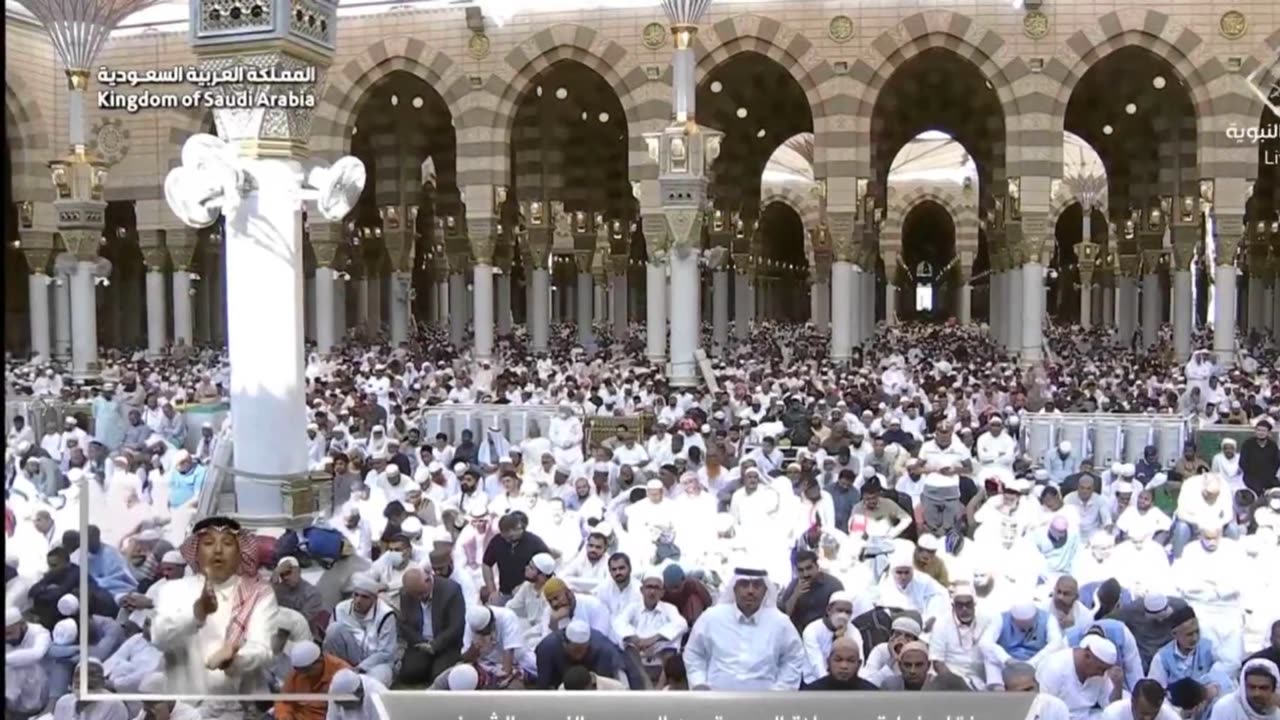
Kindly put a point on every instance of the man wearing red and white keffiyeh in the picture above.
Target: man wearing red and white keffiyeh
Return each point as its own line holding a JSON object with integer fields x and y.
{"x": 215, "y": 626}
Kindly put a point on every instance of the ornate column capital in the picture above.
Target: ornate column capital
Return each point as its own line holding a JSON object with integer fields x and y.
{"x": 82, "y": 242}
{"x": 742, "y": 262}
{"x": 1185, "y": 239}
{"x": 154, "y": 253}
{"x": 483, "y": 232}
{"x": 1151, "y": 260}
{"x": 459, "y": 261}
{"x": 584, "y": 259}
{"x": 655, "y": 237}
{"x": 618, "y": 264}
{"x": 181, "y": 244}
{"x": 38, "y": 258}
{"x": 1129, "y": 265}
{"x": 326, "y": 242}
{"x": 843, "y": 247}
{"x": 1230, "y": 231}
{"x": 1037, "y": 248}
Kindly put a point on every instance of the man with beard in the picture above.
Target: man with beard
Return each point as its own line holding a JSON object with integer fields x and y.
{"x": 1256, "y": 698}
{"x": 843, "y": 663}
{"x": 913, "y": 670}
{"x": 26, "y": 688}
{"x": 620, "y": 589}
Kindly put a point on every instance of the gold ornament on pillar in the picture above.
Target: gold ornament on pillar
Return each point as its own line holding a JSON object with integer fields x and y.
{"x": 38, "y": 259}
{"x": 482, "y": 246}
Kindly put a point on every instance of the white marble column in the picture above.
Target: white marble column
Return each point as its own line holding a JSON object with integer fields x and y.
{"x": 1032, "y": 310}
{"x": 584, "y": 310}
{"x": 326, "y": 304}
{"x": 599, "y": 302}
{"x": 1013, "y": 310}
{"x": 84, "y": 318}
{"x": 539, "y": 319}
{"x": 503, "y": 283}
{"x": 157, "y": 313}
{"x": 686, "y": 318}
{"x": 1254, "y": 301}
{"x": 868, "y": 282}
{"x": 720, "y": 311}
{"x": 1224, "y": 314}
{"x": 858, "y": 327}
{"x": 1108, "y": 305}
{"x": 656, "y": 312}
{"x": 482, "y": 287}
{"x": 1151, "y": 309}
{"x": 1086, "y": 299}
{"x": 62, "y": 317}
{"x": 619, "y": 298}
{"x": 820, "y": 305}
{"x": 1182, "y": 313}
{"x": 38, "y": 296}
{"x": 965, "y": 316}
{"x": 1126, "y": 307}
{"x": 361, "y": 288}
{"x": 340, "y": 310}
{"x": 441, "y": 304}
{"x": 842, "y": 308}
{"x": 996, "y": 307}
{"x": 457, "y": 308}
{"x": 743, "y": 299}
{"x": 401, "y": 286}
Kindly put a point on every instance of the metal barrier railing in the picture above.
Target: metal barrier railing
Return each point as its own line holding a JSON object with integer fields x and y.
{"x": 1107, "y": 437}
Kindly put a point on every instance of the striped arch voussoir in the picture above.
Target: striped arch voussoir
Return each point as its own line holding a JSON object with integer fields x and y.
{"x": 28, "y": 142}
{"x": 1059, "y": 205}
{"x": 963, "y": 212}
{"x": 350, "y": 84}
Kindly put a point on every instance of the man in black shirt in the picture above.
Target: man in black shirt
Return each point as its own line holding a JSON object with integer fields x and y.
{"x": 1260, "y": 459}
{"x": 805, "y": 599}
{"x": 510, "y": 552}
{"x": 843, "y": 663}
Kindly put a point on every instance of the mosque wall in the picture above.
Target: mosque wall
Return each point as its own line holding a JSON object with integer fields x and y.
{"x": 841, "y": 54}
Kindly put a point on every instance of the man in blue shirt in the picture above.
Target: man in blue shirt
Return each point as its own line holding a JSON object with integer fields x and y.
{"x": 578, "y": 644}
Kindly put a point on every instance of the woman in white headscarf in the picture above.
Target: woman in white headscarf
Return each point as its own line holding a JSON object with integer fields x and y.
{"x": 1256, "y": 698}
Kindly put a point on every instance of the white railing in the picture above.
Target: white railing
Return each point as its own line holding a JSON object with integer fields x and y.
{"x": 517, "y": 422}
{"x": 1106, "y": 437}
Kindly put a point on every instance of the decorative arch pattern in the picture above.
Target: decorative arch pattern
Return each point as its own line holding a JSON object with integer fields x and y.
{"x": 791, "y": 50}
{"x": 800, "y": 199}
{"x": 336, "y": 112}
{"x": 28, "y": 142}
{"x": 961, "y": 205}
{"x": 516, "y": 75}
{"x": 1204, "y": 75}
{"x": 982, "y": 47}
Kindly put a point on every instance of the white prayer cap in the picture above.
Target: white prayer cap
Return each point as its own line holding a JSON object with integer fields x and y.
{"x": 69, "y": 420}
{"x": 1128, "y": 470}
{"x": 1228, "y": 441}
{"x": 75, "y": 475}
{"x": 181, "y": 456}
{"x": 1123, "y": 487}
{"x": 68, "y": 605}
{"x": 868, "y": 472}
{"x": 459, "y": 468}
{"x": 1155, "y": 602}
{"x": 839, "y": 596}
{"x": 173, "y": 557}
{"x": 288, "y": 561}
{"x": 434, "y": 467}
{"x": 930, "y": 543}
{"x": 906, "y": 625}
{"x": 463, "y": 677}
{"x": 155, "y": 439}
{"x": 1017, "y": 484}
{"x": 961, "y": 588}
{"x": 1041, "y": 475}
{"x": 345, "y": 682}
{"x": 377, "y": 429}
{"x": 12, "y": 616}
{"x": 393, "y": 471}
{"x": 654, "y": 484}
{"x": 153, "y": 684}
{"x": 1102, "y": 539}
{"x": 65, "y": 632}
{"x": 1064, "y": 447}
{"x": 1023, "y": 611}
{"x": 479, "y": 617}
{"x": 604, "y": 528}
{"x": 578, "y": 632}
{"x": 365, "y": 583}
{"x": 441, "y": 534}
{"x": 304, "y": 654}
{"x": 544, "y": 563}
{"x": 478, "y": 507}
{"x": 1100, "y": 647}
{"x": 411, "y": 526}
{"x": 901, "y": 558}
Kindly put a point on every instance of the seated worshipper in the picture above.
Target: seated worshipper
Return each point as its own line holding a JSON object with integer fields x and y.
{"x": 1025, "y": 633}
{"x": 821, "y": 634}
{"x": 1086, "y": 678}
{"x": 497, "y": 647}
{"x": 26, "y": 683}
{"x": 364, "y": 632}
{"x": 509, "y": 554}
{"x": 390, "y": 567}
{"x": 312, "y": 674}
{"x": 954, "y": 643}
{"x": 215, "y": 626}
{"x": 1210, "y": 576}
{"x": 1120, "y": 636}
{"x": 577, "y": 677}
{"x": 621, "y": 589}
{"x": 63, "y": 657}
{"x": 154, "y": 684}
{"x": 70, "y": 707}
{"x": 294, "y": 593}
{"x": 805, "y": 599}
{"x": 578, "y": 644}
{"x": 926, "y": 559}
{"x": 1190, "y": 656}
{"x": 291, "y": 629}
{"x": 133, "y": 662}
{"x": 105, "y": 634}
{"x": 529, "y": 602}
{"x": 361, "y": 688}
{"x": 745, "y": 642}
{"x": 912, "y": 671}
{"x": 882, "y": 661}
{"x": 566, "y": 605}
{"x": 185, "y": 480}
{"x": 1146, "y": 703}
{"x": 1256, "y": 698}
{"x": 1059, "y": 544}
{"x": 690, "y": 595}
{"x": 843, "y": 662}
{"x": 1203, "y": 504}
{"x": 62, "y": 579}
{"x": 650, "y": 630}
{"x": 460, "y": 678}
{"x": 1020, "y": 677}
{"x": 588, "y": 571}
{"x": 432, "y": 621}
{"x": 1065, "y": 604}
{"x": 107, "y": 565}
{"x": 905, "y": 589}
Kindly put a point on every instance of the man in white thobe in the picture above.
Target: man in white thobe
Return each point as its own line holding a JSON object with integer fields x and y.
{"x": 26, "y": 688}
{"x": 361, "y": 689}
{"x": 1086, "y": 678}
{"x": 215, "y": 626}
{"x": 745, "y": 642}
{"x": 650, "y": 630}
{"x": 565, "y": 435}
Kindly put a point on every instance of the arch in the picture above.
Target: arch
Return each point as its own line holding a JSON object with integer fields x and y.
{"x": 1204, "y": 75}
{"x": 337, "y": 109}
{"x": 985, "y": 49}
{"x": 958, "y": 203}
{"x": 802, "y": 202}
{"x": 28, "y": 142}
{"x": 520, "y": 68}
{"x": 791, "y": 50}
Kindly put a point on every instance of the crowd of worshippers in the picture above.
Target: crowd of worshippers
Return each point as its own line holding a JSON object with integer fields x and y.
{"x": 878, "y": 526}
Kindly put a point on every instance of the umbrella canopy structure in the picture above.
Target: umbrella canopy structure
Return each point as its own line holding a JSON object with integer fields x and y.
{"x": 79, "y": 28}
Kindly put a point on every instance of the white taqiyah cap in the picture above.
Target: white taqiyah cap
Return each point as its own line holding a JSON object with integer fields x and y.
{"x": 906, "y": 625}
{"x": 288, "y": 561}
{"x": 839, "y": 596}
{"x": 1100, "y": 647}
{"x": 654, "y": 484}
{"x": 345, "y": 682}
{"x": 544, "y": 563}
{"x": 304, "y": 654}
{"x": 929, "y": 542}
{"x": 411, "y": 526}
{"x": 68, "y": 605}
{"x": 64, "y": 633}
{"x": 463, "y": 677}
{"x": 441, "y": 534}
{"x": 1023, "y": 611}
{"x": 1155, "y": 602}
{"x": 578, "y": 632}
{"x": 173, "y": 557}
{"x": 479, "y": 617}
{"x": 12, "y": 616}
{"x": 365, "y": 583}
